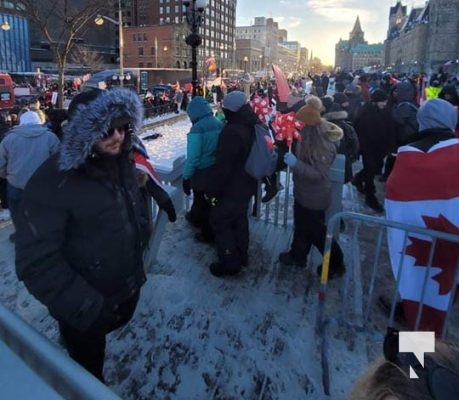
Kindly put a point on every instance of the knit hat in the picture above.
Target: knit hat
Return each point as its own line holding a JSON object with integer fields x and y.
{"x": 29, "y": 118}
{"x": 378, "y": 95}
{"x": 437, "y": 113}
{"x": 350, "y": 88}
{"x": 292, "y": 99}
{"x": 310, "y": 112}
{"x": 234, "y": 100}
{"x": 327, "y": 102}
{"x": 340, "y": 98}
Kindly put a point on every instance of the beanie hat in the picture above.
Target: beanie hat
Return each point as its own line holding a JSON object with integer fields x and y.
{"x": 310, "y": 112}
{"x": 350, "y": 88}
{"x": 292, "y": 99}
{"x": 327, "y": 102}
{"x": 234, "y": 100}
{"x": 378, "y": 95}
{"x": 340, "y": 98}
{"x": 437, "y": 113}
{"x": 29, "y": 118}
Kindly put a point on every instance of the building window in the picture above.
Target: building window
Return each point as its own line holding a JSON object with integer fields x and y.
{"x": 140, "y": 51}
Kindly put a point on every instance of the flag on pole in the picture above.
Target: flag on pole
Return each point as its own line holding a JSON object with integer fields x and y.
{"x": 423, "y": 190}
{"x": 283, "y": 88}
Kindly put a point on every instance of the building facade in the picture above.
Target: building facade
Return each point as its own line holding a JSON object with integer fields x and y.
{"x": 14, "y": 42}
{"x": 355, "y": 53}
{"x": 424, "y": 39}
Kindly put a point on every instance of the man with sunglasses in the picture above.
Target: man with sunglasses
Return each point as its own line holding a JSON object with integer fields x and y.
{"x": 83, "y": 225}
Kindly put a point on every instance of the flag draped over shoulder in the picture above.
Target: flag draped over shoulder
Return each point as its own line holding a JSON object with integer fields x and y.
{"x": 423, "y": 190}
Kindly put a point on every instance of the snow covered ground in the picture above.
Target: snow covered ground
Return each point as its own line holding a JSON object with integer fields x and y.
{"x": 196, "y": 337}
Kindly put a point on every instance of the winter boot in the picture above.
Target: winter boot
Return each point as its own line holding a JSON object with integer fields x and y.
{"x": 333, "y": 272}
{"x": 272, "y": 187}
{"x": 229, "y": 264}
{"x": 358, "y": 185}
{"x": 288, "y": 259}
{"x": 372, "y": 202}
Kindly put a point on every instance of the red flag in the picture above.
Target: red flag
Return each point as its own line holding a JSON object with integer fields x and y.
{"x": 431, "y": 202}
{"x": 283, "y": 88}
{"x": 286, "y": 127}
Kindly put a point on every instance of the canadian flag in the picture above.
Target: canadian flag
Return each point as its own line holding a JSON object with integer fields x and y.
{"x": 143, "y": 163}
{"x": 423, "y": 190}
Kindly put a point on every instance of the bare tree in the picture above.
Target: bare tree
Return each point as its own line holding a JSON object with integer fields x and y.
{"x": 81, "y": 55}
{"x": 63, "y": 23}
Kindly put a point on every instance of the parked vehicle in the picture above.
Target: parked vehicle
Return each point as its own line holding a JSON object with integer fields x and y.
{"x": 7, "y": 97}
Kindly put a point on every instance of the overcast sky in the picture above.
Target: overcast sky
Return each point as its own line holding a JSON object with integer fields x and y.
{"x": 319, "y": 24}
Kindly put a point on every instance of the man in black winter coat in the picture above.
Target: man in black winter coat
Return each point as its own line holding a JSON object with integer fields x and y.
{"x": 232, "y": 187}
{"x": 83, "y": 225}
{"x": 375, "y": 131}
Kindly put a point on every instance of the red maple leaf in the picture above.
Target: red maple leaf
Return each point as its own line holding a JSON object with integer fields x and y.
{"x": 445, "y": 255}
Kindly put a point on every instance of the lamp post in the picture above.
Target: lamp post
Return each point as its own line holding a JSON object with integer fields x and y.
{"x": 220, "y": 60}
{"x": 194, "y": 18}
{"x": 246, "y": 60}
{"x": 99, "y": 21}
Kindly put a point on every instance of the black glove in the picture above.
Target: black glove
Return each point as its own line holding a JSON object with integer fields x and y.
{"x": 169, "y": 209}
{"x": 186, "y": 185}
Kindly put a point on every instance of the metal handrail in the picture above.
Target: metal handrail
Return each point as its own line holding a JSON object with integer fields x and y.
{"x": 49, "y": 362}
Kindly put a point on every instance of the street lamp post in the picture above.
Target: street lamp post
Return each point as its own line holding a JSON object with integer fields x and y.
{"x": 99, "y": 21}
{"x": 246, "y": 60}
{"x": 194, "y": 18}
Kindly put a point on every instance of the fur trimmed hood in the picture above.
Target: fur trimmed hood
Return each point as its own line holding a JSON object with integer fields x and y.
{"x": 331, "y": 131}
{"x": 335, "y": 115}
{"x": 89, "y": 122}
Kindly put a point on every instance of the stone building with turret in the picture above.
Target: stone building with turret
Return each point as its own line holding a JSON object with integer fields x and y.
{"x": 355, "y": 53}
{"x": 424, "y": 39}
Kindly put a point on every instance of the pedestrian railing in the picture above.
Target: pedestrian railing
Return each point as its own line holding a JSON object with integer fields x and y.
{"x": 39, "y": 369}
{"x": 369, "y": 273}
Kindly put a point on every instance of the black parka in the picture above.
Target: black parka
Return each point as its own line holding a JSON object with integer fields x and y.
{"x": 81, "y": 227}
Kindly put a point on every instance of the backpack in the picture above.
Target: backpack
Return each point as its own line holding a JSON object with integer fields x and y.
{"x": 262, "y": 158}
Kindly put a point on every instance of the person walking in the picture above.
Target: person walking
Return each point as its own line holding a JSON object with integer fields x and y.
{"x": 375, "y": 131}
{"x": 83, "y": 225}
{"x": 22, "y": 151}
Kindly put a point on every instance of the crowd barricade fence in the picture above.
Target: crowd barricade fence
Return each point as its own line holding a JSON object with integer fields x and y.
{"x": 352, "y": 309}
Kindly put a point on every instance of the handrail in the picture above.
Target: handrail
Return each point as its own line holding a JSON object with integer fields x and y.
{"x": 49, "y": 362}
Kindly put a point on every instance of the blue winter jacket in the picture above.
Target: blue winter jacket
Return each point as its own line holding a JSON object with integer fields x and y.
{"x": 203, "y": 136}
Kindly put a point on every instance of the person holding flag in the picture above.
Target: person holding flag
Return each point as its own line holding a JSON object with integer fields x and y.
{"x": 310, "y": 160}
{"x": 423, "y": 190}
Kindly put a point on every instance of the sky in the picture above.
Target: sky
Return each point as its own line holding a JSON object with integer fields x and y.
{"x": 319, "y": 24}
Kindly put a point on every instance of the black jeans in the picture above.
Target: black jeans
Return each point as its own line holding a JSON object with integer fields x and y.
{"x": 310, "y": 230}
{"x": 231, "y": 228}
{"x": 88, "y": 348}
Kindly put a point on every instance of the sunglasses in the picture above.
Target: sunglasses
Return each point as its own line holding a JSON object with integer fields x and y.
{"x": 111, "y": 131}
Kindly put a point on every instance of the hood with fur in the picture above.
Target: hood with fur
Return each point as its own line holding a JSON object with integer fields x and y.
{"x": 331, "y": 131}
{"x": 89, "y": 122}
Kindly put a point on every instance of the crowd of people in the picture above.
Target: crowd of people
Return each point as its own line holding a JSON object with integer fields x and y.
{"x": 77, "y": 187}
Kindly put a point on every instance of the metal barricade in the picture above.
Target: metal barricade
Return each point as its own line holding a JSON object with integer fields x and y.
{"x": 359, "y": 286}
{"x": 46, "y": 371}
